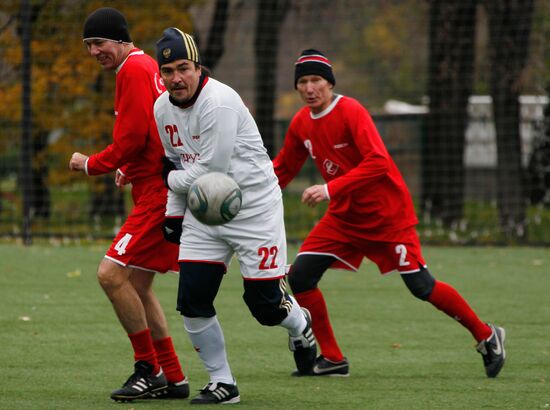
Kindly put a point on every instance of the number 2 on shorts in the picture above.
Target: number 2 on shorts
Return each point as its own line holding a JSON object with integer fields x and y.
{"x": 401, "y": 250}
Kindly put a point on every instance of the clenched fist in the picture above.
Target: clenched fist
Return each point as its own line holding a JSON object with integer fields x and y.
{"x": 78, "y": 162}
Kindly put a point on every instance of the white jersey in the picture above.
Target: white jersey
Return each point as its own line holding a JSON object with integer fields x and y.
{"x": 215, "y": 133}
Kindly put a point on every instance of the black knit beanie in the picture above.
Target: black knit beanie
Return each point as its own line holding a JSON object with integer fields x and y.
{"x": 106, "y": 23}
{"x": 176, "y": 45}
{"x": 313, "y": 62}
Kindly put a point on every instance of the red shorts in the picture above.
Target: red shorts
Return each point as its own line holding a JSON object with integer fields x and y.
{"x": 401, "y": 252}
{"x": 140, "y": 242}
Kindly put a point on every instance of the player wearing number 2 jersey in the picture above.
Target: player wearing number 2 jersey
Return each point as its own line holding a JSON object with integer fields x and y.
{"x": 139, "y": 249}
{"x": 370, "y": 213}
{"x": 205, "y": 126}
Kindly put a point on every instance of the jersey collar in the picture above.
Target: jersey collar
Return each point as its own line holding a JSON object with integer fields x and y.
{"x": 327, "y": 110}
{"x": 133, "y": 52}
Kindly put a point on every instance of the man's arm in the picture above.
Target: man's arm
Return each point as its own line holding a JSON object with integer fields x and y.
{"x": 131, "y": 127}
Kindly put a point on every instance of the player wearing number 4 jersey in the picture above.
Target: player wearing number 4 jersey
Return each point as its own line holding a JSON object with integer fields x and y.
{"x": 139, "y": 249}
{"x": 204, "y": 127}
{"x": 370, "y": 214}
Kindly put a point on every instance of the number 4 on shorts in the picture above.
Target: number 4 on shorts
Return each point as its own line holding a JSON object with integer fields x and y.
{"x": 121, "y": 245}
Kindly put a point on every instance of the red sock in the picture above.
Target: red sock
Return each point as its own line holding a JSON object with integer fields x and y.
{"x": 446, "y": 298}
{"x": 168, "y": 360}
{"x": 142, "y": 342}
{"x": 314, "y": 301}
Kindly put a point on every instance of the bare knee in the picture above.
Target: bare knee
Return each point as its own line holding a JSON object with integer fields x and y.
{"x": 111, "y": 276}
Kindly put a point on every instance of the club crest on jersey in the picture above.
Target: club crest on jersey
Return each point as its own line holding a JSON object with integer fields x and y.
{"x": 166, "y": 53}
{"x": 330, "y": 167}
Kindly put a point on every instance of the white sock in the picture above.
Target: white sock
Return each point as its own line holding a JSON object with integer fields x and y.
{"x": 207, "y": 338}
{"x": 295, "y": 322}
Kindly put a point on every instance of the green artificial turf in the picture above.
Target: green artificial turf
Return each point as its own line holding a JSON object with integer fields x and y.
{"x": 62, "y": 347}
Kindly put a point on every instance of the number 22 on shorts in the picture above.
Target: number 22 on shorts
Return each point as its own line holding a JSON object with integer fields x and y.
{"x": 269, "y": 257}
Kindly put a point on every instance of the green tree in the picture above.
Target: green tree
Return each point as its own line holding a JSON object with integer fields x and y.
{"x": 72, "y": 98}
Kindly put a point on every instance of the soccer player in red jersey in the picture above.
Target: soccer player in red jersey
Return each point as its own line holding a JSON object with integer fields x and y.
{"x": 140, "y": 249}
{"x": 370, "y": 214}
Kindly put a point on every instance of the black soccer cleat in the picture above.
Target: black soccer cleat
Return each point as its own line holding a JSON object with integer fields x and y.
{"x": 304, "y": 348}
{"x": 143, "y": 384}
{"x": 325, "y": 367}
{"x": 177, "y": 390}
{"x": 218, "y": 393}
{"x": 492, "y": 351}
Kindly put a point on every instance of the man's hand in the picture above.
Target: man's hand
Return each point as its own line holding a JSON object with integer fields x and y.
{"x": 120, "y": 179}
{"x": 314, "y": 194}
{"x": 167, "y": 167}
{"x": 172, "y": 228}
{"x": 78, "y": 162}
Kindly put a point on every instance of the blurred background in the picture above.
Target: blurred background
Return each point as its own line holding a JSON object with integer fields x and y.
{"x": 458, "y": 90}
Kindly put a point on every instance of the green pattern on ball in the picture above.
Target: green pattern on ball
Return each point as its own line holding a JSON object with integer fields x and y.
{"x": 197, "y": 201}
{"x": 231, "y": 205}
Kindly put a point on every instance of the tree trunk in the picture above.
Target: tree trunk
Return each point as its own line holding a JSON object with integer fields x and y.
{"x": 451, "y": 66}
{"x": 538, "y": 169}
{"x": 509, "y": 33}
{"x": 271, "y": 14}
{"x": 41, "y": 201}
{"x": 214, "y": 49}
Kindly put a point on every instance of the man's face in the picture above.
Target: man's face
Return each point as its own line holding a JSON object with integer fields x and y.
{"x": 181, "y": 79}
{"x": 110, "y": 54}
{"x": 315, "y": 91}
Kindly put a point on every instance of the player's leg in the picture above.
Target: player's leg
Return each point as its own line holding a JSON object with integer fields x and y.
{"x": 447, "y": 299}
{"x": 409, "y": 262}
{"x": 304, "y": 276}
{"x": 178, "y": 387}
{"x": 115, "y": 281}
{"x": 262, "y": 258}
{"x": 271, "y": 305}
{"x": 198, "y": 287}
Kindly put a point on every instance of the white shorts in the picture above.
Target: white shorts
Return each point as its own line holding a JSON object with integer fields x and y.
{"x": 257, "y": 238}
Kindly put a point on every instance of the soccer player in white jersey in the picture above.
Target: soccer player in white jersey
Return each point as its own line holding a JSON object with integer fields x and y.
{"x": 204, "y": 127}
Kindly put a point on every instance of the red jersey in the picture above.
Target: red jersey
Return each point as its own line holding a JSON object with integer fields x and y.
{"x": 367, "y": 192}
{"x": 136, "y": 147}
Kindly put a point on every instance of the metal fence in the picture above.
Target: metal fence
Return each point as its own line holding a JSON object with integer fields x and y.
{"x": 380, "y": 52}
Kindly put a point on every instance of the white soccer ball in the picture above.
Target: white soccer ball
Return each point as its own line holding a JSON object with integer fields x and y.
{"x": 214, "y": 198}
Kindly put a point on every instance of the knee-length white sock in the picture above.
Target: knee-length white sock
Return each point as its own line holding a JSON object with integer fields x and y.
{"x": 207, "y": 338}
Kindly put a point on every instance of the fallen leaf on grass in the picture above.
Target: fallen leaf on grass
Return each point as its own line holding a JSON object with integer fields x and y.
{"x": 74, "y": 273}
